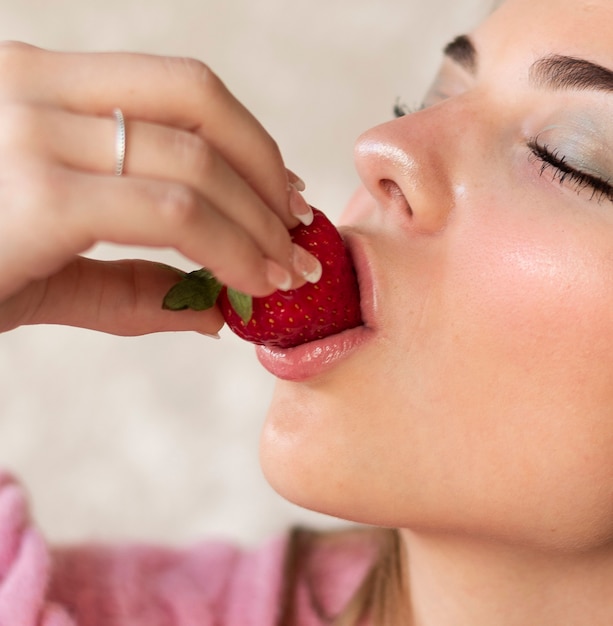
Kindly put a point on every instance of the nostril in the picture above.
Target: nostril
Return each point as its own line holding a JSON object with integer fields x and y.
{"x": 390, "y": 188}
{"x": 394, "y": 194}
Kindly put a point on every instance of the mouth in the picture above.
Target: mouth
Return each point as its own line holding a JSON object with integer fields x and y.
{"x": 314, "y": 359}
{"x": 360, "y": 256}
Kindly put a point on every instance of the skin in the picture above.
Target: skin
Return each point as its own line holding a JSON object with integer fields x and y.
{"x": 481, "y": 424}
{"x": 479, "y": 417}
{"x": 201, "y": 176}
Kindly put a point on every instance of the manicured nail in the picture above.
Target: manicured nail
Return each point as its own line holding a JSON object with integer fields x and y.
{"x": 295, "y": 180}
{"x": 211, "y": 335}
{"x": 278, "y": 276}
{"x": 306, "y": 265}
{"x": 299, "y": 206}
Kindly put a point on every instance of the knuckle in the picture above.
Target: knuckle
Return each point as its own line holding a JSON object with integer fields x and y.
{"x": 19, "y": 126}
{"x": 12, "y": 52}
{"x": 35, "y": 198}
{"x": 203, "y": 74}
{"x": 194, "y": 71}
{"x": 237, "y": 262}
{"x": 32, "y": 198}
{"x": 44, "y": 190}
{"x": 271, "y": 230}
{"x": 15, "y": 64}
{"x": 278, "y": 240}
{"x": 179, "y": 206}
{"x": 272, "y": 147}
{"x": 196, "y": 154}
{"x": 269, "y": 148}
{"x": 206, "y": 83}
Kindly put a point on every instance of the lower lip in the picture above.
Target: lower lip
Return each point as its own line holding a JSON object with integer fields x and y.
{"x": 316, "y": 358}
{"x": 313, "y": 359}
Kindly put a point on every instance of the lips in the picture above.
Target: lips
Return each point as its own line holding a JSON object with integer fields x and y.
{"x": 316, "y": 358}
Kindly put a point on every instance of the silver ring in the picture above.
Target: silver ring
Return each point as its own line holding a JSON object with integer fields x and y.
{"x": 120, "y": 142}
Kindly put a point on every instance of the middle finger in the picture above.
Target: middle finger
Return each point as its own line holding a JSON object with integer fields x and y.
{"x": 159, "y": 152}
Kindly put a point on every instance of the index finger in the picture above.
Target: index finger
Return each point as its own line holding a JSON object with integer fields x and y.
{"x": 173, "y": 91}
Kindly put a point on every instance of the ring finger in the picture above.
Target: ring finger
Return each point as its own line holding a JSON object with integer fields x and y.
{"x": 87, "y": 143}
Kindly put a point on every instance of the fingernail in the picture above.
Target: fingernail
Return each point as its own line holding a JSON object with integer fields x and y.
{"x": 306, "y": 265}
{"x": 278, "y": 276}
{"x": 295, "y": 180}
{"x": 211, "y": 335}
{"x": 299, "y": 207}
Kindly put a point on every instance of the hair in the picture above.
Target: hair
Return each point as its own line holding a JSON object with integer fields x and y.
{"x": 379, "y": 595}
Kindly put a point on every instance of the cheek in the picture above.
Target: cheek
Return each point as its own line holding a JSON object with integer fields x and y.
{"x": 486, "y": 404}
{"x": 531, "y": 299}
{"x": 541, "y": 292}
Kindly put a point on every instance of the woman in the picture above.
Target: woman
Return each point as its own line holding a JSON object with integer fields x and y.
{"x": 480, "y": 428}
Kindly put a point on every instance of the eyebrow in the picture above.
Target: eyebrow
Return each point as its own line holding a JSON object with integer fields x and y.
{"x": 557, "y": 72}
{"x": 463, "y": 52}
{"x": 564, "y": 72}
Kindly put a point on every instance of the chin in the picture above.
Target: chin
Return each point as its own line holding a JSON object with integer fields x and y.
{"x": 287, "y": 451}
{"x": 296, "y": 448}
{"x": 309, "y": 459}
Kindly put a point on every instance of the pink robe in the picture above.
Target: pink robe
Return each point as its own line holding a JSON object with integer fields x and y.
{"x": 210, "y": 584}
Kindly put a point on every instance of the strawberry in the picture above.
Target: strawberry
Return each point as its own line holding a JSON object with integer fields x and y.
{"x": 285, "y": 318}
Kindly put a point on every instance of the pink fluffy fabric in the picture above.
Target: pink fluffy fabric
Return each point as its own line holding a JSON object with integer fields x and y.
{"x": 210, "y": 584}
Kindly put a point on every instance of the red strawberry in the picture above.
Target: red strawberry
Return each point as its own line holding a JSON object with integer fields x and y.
{"x": 289, "y": 318}
{"x": 286, "y": 318}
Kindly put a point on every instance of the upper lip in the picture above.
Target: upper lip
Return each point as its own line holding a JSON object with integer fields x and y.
{"x": 358, "y": 250}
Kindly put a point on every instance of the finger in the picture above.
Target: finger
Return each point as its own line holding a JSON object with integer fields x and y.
{"x": 169, "y": 91}
{"x": 120, "y": 297}
{"x": 136, "y": 211}
{"x": 157, "y": 152}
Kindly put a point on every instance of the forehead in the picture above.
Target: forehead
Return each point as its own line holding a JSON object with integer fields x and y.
{"x": 537, "y": 27}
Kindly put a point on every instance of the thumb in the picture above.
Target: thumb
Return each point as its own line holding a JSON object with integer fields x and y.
{"x": 117, "y": 297}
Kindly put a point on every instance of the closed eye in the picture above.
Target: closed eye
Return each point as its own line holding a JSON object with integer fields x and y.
{"x": 564, "y": 173}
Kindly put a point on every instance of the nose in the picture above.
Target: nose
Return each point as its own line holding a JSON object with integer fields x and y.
{"x": 407, "y": 164}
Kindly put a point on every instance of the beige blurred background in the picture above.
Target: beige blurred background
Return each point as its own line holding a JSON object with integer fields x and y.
{"x": 156, "y": 438}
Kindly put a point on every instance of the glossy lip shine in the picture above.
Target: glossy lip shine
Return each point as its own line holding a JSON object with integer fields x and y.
{"x": 309, "y": 360}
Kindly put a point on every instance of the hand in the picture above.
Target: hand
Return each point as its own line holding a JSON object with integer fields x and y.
{"x": 201, "y": 176}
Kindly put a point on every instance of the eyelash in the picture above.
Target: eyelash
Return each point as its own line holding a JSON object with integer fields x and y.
{"x": 563, "y": 172}
{"x": 401, "y": 109}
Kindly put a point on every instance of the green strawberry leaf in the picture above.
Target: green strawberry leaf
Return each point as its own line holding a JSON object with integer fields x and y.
{"x": 197, "y": 290}
{"x": 241, "y": 303}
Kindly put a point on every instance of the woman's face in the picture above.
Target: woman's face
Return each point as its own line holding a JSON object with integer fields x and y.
{"x": 480, "y": 396}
